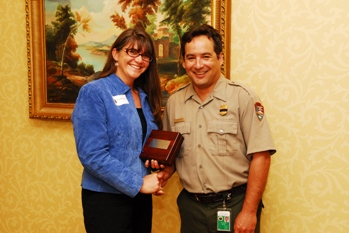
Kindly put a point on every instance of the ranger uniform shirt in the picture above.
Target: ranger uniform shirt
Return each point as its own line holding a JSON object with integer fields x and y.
{"x": 220, "y": 135}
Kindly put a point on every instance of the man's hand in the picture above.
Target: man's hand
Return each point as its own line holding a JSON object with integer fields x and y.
{"x": 247, "y": 219}
{"x": 163, "y": 173}
{"x": 245, "y": 222}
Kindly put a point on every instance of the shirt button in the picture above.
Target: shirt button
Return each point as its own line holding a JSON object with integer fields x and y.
{"x": 199, "y": 145}
{"x": 221, "y": 131}
{"x": 200, "y": 126}
{"x": 201, "y": 107}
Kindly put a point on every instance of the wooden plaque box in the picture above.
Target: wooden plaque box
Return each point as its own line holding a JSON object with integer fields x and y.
{"x": 162, "y": 146}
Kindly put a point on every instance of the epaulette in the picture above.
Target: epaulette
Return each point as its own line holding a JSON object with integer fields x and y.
{"x": 245, "y": 88}
{"x": 258, "y": 107}
{"x": 231, "y": 82}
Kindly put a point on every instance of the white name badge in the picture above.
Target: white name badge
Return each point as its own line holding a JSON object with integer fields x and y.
{"x": 120, "y": 100}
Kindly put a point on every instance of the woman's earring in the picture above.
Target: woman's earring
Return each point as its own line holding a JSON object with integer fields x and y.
{"x": 116, "y": 63}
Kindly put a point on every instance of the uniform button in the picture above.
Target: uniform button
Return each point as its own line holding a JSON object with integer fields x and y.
{"x": 199, "y": 145}
{"x": 221, "y": 131}
{"x": 200, "y": 126}
{"x": 201, "y": 107}
{"x": 200, "y": 166}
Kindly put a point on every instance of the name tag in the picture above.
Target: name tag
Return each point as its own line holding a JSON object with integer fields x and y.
{"x": 120, "y": 100}
{"x": 178, "y": 120}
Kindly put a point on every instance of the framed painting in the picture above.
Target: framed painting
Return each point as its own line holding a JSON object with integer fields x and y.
{"x": 67, "y": 43}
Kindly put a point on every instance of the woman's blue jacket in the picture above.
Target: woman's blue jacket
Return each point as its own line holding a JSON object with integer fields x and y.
{"x": 108, "y": 136}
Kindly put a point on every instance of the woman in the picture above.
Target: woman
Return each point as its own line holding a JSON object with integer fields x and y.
{"x": 112, "y": 118}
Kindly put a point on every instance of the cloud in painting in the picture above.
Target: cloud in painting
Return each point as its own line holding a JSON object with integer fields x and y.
{"x": 101, "y": 24}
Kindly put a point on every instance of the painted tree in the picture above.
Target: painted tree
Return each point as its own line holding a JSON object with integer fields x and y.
{"x": 139, "y": 10}
{"x": 119, "y": 21}
{"x": 181, "y": 15}
{"x": 196, "y": 12}
{"x": 174, "y": 11}
{"x": 65, "y": 27}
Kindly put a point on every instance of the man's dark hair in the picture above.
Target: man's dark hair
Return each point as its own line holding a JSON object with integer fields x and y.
{"x": 203, "y": 30}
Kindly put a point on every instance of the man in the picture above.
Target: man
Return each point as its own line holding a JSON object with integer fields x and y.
{"x": 225, "y": 157}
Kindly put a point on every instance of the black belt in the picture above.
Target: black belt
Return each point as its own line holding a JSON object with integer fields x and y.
{"x": 214, "y": 197}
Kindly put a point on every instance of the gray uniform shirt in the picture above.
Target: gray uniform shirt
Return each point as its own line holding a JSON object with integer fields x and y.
{"x": 220, "y": 135}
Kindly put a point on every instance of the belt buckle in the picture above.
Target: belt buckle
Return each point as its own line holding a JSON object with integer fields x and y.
{"x": 228, "y": 196}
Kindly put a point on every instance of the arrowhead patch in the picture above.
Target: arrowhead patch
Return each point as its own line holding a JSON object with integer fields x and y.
{"x": 259, "y": 110}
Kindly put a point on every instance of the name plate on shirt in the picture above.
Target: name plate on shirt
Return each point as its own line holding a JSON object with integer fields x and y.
{"x": 162, "y": 146}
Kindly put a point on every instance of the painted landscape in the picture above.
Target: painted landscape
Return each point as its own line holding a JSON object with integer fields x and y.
{"x": 79, "y": 36}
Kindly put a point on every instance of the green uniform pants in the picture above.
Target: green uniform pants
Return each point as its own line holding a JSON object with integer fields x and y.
{"x": 199, "y": 217}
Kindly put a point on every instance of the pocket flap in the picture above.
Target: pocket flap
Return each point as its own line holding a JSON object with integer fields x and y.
{"x": 183, "y": 128}
{"x": 222, "y": 127}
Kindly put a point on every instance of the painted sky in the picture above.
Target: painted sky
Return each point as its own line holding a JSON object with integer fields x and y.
{"x": 92, "y": 5}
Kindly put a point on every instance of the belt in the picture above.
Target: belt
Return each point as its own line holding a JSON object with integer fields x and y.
{"x": 220, "y": 196}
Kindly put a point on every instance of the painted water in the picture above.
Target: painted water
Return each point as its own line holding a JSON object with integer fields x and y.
{"x": 91, "y": 58}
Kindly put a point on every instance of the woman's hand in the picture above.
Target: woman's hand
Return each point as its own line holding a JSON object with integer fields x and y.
{"x": 151, "y": 184}
{"x": 163, "y": 173}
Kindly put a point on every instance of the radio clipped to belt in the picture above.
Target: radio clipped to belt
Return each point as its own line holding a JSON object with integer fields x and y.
{"x": 224, "y": 216}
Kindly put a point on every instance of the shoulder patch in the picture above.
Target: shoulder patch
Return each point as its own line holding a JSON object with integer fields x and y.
{"x": 259, "y": 110}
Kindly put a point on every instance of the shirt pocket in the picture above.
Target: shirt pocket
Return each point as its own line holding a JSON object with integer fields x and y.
{"x": 184, "y": 129}
{"x": 222, "y": 138}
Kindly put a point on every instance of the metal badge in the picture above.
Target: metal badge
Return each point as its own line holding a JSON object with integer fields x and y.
{"x": 223, "y": 110}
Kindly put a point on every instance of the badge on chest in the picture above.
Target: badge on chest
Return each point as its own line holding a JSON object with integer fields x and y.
{"x": 120, "y": 100}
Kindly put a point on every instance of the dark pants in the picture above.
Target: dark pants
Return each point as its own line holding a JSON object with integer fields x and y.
{"x": 202, "y": 217}
{"x": 112, "y": 213}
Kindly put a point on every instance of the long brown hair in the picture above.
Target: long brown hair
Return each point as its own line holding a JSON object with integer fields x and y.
{"x": 149, "y": 80}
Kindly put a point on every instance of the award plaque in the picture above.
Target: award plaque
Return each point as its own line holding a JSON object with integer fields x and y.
{"x": 162, "y": 146}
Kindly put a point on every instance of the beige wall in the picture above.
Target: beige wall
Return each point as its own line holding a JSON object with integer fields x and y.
{"x": 294, "y": 53}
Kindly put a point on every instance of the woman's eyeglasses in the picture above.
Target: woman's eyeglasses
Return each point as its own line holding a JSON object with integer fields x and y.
{"x": 134, "y": 53}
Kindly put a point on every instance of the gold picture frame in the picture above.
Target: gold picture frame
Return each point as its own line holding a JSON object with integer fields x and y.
{"x": 39, "y": 107}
